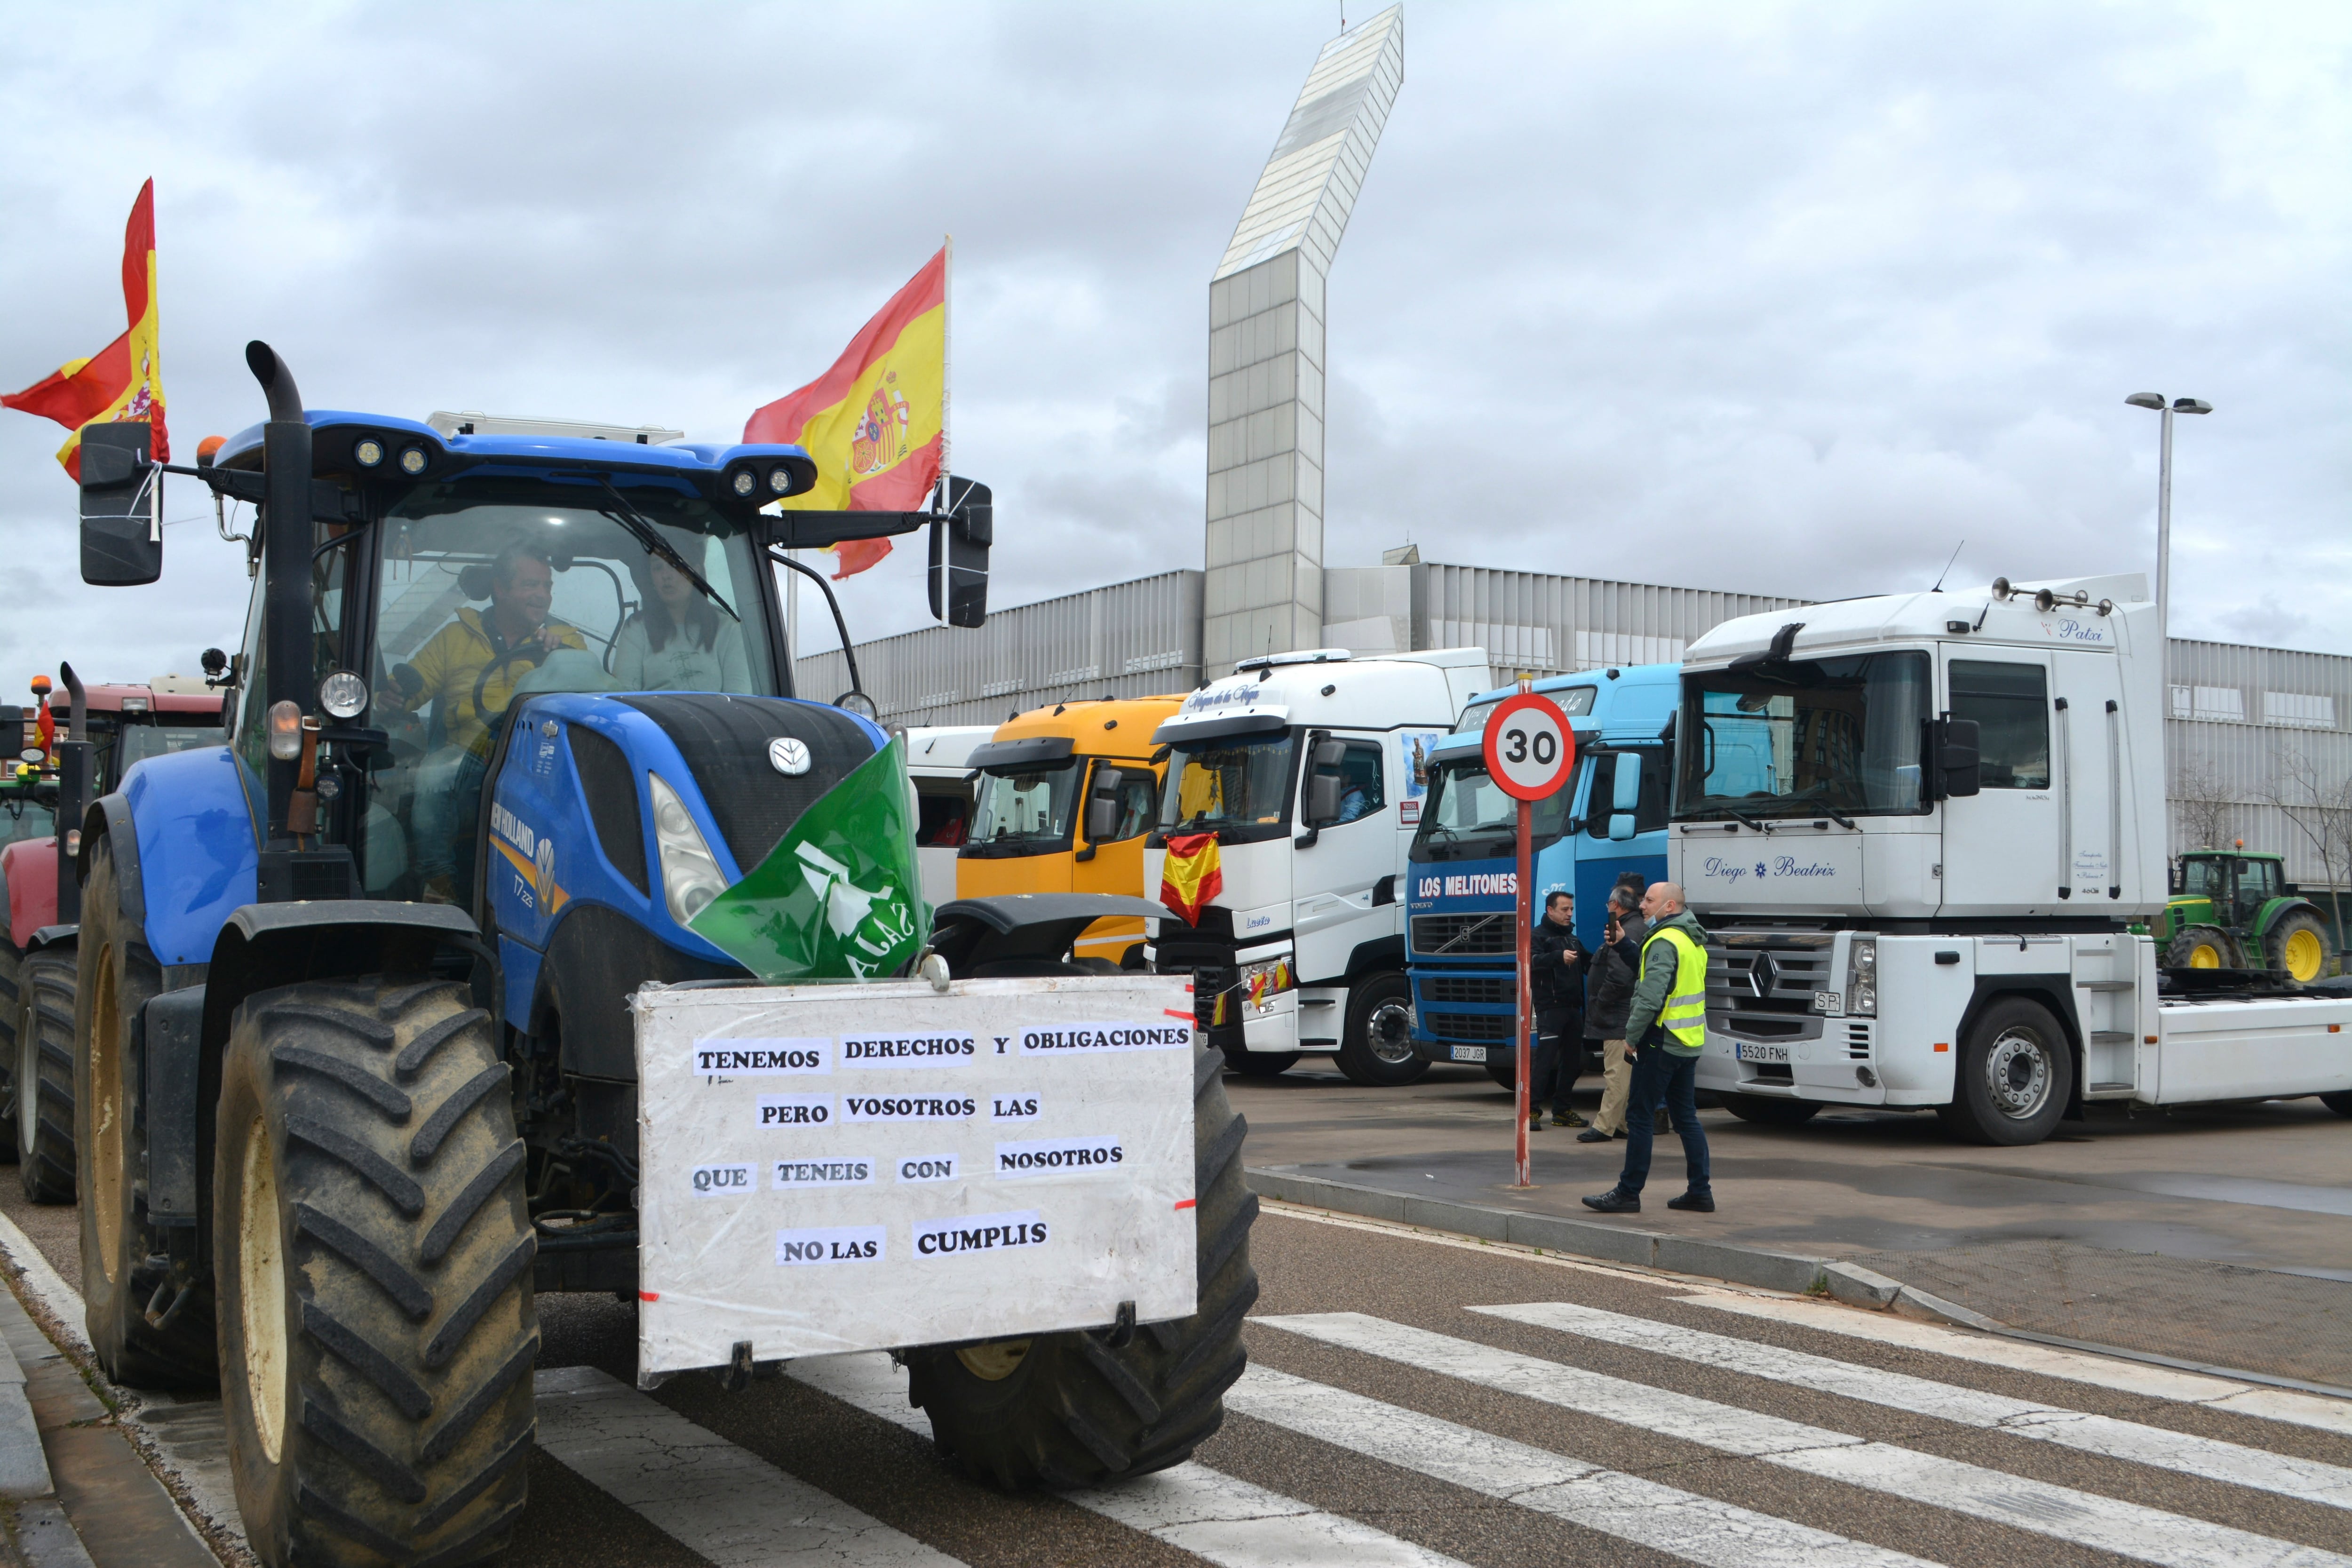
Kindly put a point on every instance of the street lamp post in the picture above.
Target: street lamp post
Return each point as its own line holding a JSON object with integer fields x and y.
{"x": 2165, "y": 411}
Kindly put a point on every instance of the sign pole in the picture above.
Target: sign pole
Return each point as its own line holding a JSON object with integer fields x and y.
{"x": 1529, "y": 751}
{"x": 1525, "y": 1076}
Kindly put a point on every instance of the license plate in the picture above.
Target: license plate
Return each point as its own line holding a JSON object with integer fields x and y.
{"x": 1750, "y": 1051}
{"x": 1469, "y": 1053}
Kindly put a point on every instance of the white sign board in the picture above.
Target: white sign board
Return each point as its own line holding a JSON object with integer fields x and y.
{"x": 832, "y": 1168}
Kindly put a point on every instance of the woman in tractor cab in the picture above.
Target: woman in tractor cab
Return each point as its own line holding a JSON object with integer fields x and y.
{"x": 679, "y": 642}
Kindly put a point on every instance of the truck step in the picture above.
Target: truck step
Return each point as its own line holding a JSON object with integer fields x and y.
{"x": 2110, "y": 1038}
{"x": 2107, "y": 1092}
{"x": 2106, "y": 985}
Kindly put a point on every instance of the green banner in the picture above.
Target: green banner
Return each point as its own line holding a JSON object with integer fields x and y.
{"x": 839, "y": 897}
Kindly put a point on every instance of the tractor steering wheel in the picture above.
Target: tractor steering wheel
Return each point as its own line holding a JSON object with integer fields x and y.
{"x": 482, "y": 682}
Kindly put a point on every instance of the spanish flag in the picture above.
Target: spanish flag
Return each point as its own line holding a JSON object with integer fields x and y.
{"x": 125, "y": 379}
{"x": 876, "y": 421}
{"x": 1190, "y": 876}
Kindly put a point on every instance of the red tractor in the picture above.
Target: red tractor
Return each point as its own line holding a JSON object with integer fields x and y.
{"x": 96, "y": 735}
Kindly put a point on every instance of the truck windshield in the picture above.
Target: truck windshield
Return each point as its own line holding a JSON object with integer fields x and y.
{"x": 1468, "y": 817}
{"x": 1794, "y": 737}
{"x": 1576, "y": 701}
{"x": 1024, "y": 812}
{"x": 493, "y": 587}
{"x": 1239, "y": 785}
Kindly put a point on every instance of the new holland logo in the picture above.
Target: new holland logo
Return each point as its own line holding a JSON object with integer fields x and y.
{"x": 789, "y": 756}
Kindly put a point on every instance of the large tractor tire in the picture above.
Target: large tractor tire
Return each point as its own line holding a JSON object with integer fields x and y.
{"x": 1765, "y": 1110}
{"x": 12, "y": 968}
{"x": 2297, "y": 946}
{"x": 2013, "y": 1079}
{"x": 1069, "y": 1410}
{"x": 1376, "y": 1047}
{"x": 373, "y": 1258}
{"x": 2202, "y": 947}
{"x": 125, "y": 1272}
{"x": 44, "y": 1079}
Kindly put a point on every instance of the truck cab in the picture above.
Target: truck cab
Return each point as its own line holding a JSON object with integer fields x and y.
{"x": 1607, "y": 820}
{"x": 936, "y": 762}
{"x": 1293, "y": 790}
{"x": 1063, "y": 798}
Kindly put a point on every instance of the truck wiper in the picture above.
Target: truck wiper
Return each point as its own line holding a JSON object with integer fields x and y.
{"x": 1840, "y": 817}
{"x": 646, "y": 533}
{"x": 1734, "y": 811}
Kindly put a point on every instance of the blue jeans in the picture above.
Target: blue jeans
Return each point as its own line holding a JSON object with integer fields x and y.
{"x": 1661, "y": 1077}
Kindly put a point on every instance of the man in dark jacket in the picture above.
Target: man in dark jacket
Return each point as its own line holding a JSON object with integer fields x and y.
{"x": 1608, "y": 995}
{"x": 1556, "y": 983}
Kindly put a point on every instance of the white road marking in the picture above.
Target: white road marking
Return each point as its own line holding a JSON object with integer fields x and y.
{"x": 2049, "y": 1361}
{"x": 1697, "y": 1529}
{"x": 724, "y": 1502}
{"x": 2307, "y": 1480}
{"x": 2087, "y": 1519}
{"x": 1189, "y": 1506}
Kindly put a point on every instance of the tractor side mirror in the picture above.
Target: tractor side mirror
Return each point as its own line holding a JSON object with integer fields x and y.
{"x": 1957, "y": 757}
{"x": 959, "y": 545}
{"x": 1102, "y": 806}
{"x": 121, "y": 534}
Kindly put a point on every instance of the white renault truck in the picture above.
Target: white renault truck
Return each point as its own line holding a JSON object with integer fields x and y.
{"x": 1301, "y": 776}
{"x": 1921, "y": 831}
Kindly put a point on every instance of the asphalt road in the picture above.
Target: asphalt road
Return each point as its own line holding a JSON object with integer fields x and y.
{"x": 1417, "y": 1401}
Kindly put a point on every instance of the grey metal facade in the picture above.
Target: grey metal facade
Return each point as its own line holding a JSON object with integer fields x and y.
{"x": 2259, "y": 744}
{"x": 1548, "y": 624}
{"x": 1128, "y": 640}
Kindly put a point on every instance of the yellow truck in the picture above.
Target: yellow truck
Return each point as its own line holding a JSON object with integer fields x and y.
{"x": 1062, "y": 799}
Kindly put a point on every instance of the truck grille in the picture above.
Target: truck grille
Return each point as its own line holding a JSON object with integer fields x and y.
{"x": 1456, "y": 934}
{"x": 1764, "y": 990}
{"x": 1471, "y": 1025}
{"x": 1503, "y": 989}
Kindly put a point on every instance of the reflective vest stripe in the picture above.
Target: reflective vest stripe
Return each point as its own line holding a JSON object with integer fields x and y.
{"x": 1685, "y": 1014}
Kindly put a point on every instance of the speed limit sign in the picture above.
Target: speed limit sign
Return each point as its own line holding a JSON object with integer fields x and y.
{"x": 1530, "y": 746}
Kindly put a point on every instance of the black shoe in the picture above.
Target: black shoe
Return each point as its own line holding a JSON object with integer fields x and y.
{"x": 1695, "y": 1203}
{"x": 1594, "y": 1135}
{"x": 1615, "y": 1201}
{"x": 1566, "y": 1118}
{"x": 1535, "y": 1123}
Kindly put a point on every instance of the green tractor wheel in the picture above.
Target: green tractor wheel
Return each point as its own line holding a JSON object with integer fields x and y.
{"x": 2202, "y": 947}
{"x": 2297, "y": 946}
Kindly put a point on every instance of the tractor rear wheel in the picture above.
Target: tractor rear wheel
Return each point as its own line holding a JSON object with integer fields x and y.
{"x": 2297, "y": 946}
{"x": 2202, "y": 947}
{"x": 44, "y": 1083}
{"x": 12, "y": 971}
{"x": 1069, "y": 1410}
{"x": 126, "y": 1271}
{"x": 373, "y": 1258}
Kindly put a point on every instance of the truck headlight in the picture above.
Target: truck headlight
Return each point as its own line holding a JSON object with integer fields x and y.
{"x": 690, "y": 875}
{"x": 1862, "y": 977}
{"x": 1262, "y": 983}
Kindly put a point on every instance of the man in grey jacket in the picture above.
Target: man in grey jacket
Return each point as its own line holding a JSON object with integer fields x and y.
{"x": 1667, "y": 1024}
{"x": 1608, "y": 1000}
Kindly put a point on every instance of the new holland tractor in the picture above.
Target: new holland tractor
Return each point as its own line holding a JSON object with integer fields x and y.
{"x": 355, "y": 1067}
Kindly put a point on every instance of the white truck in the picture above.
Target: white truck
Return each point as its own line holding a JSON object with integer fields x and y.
{"x": 938, "y": 761}
{"x": 1925, "y": 833}
{"x": 1300, "y": 777}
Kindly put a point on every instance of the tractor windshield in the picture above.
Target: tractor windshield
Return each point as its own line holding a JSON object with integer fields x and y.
{"x": 494, "y": 588}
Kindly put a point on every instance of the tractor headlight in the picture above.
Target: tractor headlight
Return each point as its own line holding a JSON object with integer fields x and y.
{"x": 1862, "y": 977}
{"x": 780, "y": 479}
{"x": 343, "y": 695}
{"x": 690, "y": 875}
{"x": 744, "y": 482}
{"x": 413, "y": 461}
{"x": 367, "y": 452}
{"x": 284, "y": 722}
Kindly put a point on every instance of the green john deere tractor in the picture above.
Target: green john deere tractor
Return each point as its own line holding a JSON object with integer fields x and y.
{"x": 2233, "y": 909}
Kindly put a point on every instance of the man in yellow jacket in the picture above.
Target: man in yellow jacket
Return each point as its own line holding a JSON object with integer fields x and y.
{"x": 1666, "y": 1029}
{"x": 469, "y": 672}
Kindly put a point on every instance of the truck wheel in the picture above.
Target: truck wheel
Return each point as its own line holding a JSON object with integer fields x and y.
{"x": 1766, "y": 1111}
{"x": 373, "y": 1260}
{"x": 1069, "y": 1410}
{"x": 2202, "y": 947}
{"x": 45, "y": 1075}
{"x": 12, "y": 967}
{"x": 2297, "y": 947}
{"x": 1377, "y": 1047}
{"x": 2013, "y": 1079}
{"x": 125, "y": 1269}
{"x": 2339, "y": 1102}
{"x": 1261, "y": 1064}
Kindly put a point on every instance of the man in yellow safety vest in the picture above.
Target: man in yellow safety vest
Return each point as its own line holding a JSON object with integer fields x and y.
{"x": 1666, "y": 1031}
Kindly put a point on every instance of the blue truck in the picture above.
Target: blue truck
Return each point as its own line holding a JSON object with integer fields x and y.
{"x": 356, "y": 1074}
{"x": 1609, "y": 818}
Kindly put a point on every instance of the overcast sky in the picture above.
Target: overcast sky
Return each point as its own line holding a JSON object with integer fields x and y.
{"x": 1785, "y": 298}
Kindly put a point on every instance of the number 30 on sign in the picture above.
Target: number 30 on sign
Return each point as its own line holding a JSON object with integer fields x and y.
{"x": 1530, "y": 746}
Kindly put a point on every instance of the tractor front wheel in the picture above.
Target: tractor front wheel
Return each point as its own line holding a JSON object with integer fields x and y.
{"x": 373, "y": 1260}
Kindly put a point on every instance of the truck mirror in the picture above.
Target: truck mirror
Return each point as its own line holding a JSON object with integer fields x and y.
{"x": 1621, "y": 825}
{"x": 1957, "y": 757}
{"x": 1102, "y": 805}
{"x": 121, "y": 536}
{"x": 1322, "y": 800}
{"x": 960, "y": 546}
{"x": 1627, "y": 795}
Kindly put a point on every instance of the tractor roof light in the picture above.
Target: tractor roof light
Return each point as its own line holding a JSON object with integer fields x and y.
{"x": 368, "y": 452}
{"x": 779, "y": 479}
{"x": 412, "y": 461}
{"x": 744, "y": 482}
{"x": 343, "y": 695}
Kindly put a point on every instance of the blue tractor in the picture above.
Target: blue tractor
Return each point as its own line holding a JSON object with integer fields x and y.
{"x": 355, "y": 1073}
